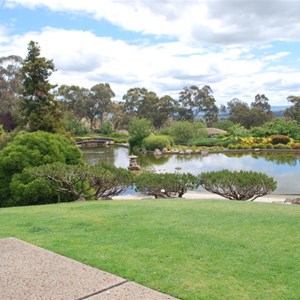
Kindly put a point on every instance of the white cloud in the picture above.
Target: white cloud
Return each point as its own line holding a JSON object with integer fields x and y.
{"x": 213, "y": 45}
{"x": 84, "y": 59}
{"x": 205, "y": 21}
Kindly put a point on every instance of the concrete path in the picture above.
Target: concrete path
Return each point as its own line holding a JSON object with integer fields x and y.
{"x": 31, "y": 272}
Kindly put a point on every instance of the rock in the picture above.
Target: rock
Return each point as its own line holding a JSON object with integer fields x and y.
{"x": 292, "y": 201}
{"x": 157, "y": 152}
{"x": 188, "y": 151}
{"x": 165, "y": 150}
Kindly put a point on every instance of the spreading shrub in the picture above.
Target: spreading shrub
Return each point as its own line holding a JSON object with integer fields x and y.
{"x": 282, "y": 146}
{"x": 33, "y": 149}
{"x": 81, "y": 182}
{"x": 153, "y": 142}
{"x": 234, "y": 185}
{"x": 165, "y": 185}
{"x": 279, "y": 139}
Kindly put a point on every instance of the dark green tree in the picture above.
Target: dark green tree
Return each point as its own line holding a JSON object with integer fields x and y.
{"x": 39, "y": 108}
{"x": 29, "y": 150}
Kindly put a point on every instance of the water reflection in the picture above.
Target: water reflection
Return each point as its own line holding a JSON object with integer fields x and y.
{"x": 284, "y": 167}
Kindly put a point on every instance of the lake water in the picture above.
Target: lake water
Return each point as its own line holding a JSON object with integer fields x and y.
{"x": 283, "y": 167}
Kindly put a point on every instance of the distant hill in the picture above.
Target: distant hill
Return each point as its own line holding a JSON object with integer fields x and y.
{"x": 277, "y": 110}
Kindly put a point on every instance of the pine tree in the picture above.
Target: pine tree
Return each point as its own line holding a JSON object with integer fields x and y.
{"x": 39, "y": 108}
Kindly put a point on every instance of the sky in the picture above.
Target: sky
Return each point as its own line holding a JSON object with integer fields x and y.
{"x": 240, "y": 48}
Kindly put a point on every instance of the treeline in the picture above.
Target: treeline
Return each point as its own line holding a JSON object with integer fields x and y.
{"x": 28, "y": 100}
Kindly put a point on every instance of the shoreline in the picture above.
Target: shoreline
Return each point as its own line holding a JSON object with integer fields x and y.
{"x": 272, "y": 198}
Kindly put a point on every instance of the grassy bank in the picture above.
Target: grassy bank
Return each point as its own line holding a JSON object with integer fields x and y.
{"x": 190, "y": 249}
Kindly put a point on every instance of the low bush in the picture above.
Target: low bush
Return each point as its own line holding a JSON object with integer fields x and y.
{"x": 279, "y": 139}
{"x": 282, "y": 146}
{"x": 165, "y": 185}
{"x": 296, "y": 146}
{"x": 205, "y": 141}
{"x": 269, "y": 146}
{"x": 242, "y": 185}
{"x": 153, "y": 142}
{"x": 101, "y": 181}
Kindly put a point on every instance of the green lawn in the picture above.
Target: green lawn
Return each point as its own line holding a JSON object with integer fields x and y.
{"x": 190, "y": 249}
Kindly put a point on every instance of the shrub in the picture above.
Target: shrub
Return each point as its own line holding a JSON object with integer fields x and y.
{"x": 33, "y": 149}
{"x": 138, "y": 130}
{"x": 74, "y": 126}
{"x": 165, "y": 185}
{"x": 107, "y": 128}
{"x": 296, "y": 146}
{"x": 279, "y": 139}
{"x": 242, "y": 185}
{"x": 82, "y": 182}
{"x": 269, "y": 146}
{"x": 278, "y": 126}
{"x": 153, "y": 142}
{"x": 184, "y": 131}
{"x": 282, "y": 146}
{"x": 205, "y": 141}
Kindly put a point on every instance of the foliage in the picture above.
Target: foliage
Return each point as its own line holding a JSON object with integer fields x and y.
{"x": 184, "y": 131}
{"x": 73, "y": 125}
{"x": 33, "y": 149}
{"x": 296, "y": 146}
{"x": 27, "y": 190}
{"x": 223, "y": 124}
{"x": 1, "y": 129}
{"x": 73, "y": 99}
{"x": 278, "y": 126}
{"x": 205, "y": 141}
{"x": 99, "y": 102}
{"x": 139, "y": 102}
{"x": 279, "y": 139}
{"x": 238, "y": 130}
{"x": 153, "y": 142}
{"x": 193, "y": 100}
{"x": 282, "y": 146}
{"x": 138, "y": 130}
{"x": 165, "y": 185}
{"x": 293, "y": 112}
{"x": 241, "y": 113}
{"x": 39, "y": 108}
{"x": 107, "y": 128}
{"x": 242, "y": 185}
{"x": 84, "y": 181}
{"x": 9, "y": 86}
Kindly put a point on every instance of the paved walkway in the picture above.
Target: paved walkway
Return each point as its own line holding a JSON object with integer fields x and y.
{"x": 31, "y": 272}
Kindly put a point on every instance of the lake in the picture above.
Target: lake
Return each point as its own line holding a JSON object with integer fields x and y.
{"x": 283, "y": 167}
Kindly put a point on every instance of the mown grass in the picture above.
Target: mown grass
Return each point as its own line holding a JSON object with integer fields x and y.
{"x": 190, "y": 249}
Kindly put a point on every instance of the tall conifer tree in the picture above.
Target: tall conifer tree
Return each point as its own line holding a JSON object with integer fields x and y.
{"x": 39, "y": 108}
